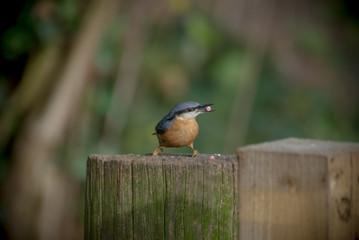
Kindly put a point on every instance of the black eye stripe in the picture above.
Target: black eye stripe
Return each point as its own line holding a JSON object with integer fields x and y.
{"x": 190, "y": 109}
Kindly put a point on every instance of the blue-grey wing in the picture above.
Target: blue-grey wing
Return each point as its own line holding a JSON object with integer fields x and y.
{"x": 164, "y": 124}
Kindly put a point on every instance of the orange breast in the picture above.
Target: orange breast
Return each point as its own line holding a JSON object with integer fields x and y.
{"x": 182, "y": 133}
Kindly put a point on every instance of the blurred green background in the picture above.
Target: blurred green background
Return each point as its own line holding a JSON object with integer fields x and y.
{"x": 81, "y": 77}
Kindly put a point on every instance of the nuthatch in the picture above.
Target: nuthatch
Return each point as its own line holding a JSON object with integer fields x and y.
{"x": 179, "y": 127}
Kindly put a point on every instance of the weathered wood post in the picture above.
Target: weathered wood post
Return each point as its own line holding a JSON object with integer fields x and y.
{"x": 288, "y": 189}
{"x": 299, "y": 189}
{"x": 164, "y": 197}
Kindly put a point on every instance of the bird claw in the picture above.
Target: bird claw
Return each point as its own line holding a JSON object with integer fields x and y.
{"x": 195, "y": 153}
{"x": 157, "y": 151}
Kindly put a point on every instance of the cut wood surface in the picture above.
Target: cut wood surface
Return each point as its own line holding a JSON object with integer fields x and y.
{"x": 287, "y": 189}
{"x": 299, "y": 189}
{"x": 164, "y": 197}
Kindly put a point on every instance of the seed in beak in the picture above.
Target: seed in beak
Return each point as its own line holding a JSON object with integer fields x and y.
{"x": 208, "y": 108}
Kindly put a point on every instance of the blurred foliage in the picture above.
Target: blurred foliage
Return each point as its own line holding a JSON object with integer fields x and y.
{"x": 306, "y": 80}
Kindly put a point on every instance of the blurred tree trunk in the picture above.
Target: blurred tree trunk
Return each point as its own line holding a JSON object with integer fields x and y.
{"x": 126, "y": 81}
{"x": 140, "y": 15}
{"x": 32, "y": 88}
{"x": 253, "y": 22}
{"x": 37, "y": 190}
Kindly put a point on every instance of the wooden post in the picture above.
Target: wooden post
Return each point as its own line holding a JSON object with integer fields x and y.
{"x": 299, "y": 189}
{"x": 165, "y": 197}
{"x": 288, "y": 189}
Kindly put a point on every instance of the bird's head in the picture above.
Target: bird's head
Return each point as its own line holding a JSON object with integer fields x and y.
{"x": 190, "y": 109}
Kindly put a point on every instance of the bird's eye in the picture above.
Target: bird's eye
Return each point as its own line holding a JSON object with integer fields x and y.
{"x": 190, "y": 109}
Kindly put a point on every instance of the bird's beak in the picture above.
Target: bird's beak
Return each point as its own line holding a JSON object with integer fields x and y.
{"x": 206, "y": 108}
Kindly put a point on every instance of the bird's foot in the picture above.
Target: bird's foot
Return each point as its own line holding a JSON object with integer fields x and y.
{"x": 195, "y": 153}
{"x": 157, "y": 151}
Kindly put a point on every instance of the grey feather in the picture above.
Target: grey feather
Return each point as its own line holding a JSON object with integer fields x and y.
{"x": 166, "y": 121}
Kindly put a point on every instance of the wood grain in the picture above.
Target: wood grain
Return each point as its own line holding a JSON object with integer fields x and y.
{"x": 299, "y": 189}
{"x": 165, "y": 197}
{"x": 287, "y": 189}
